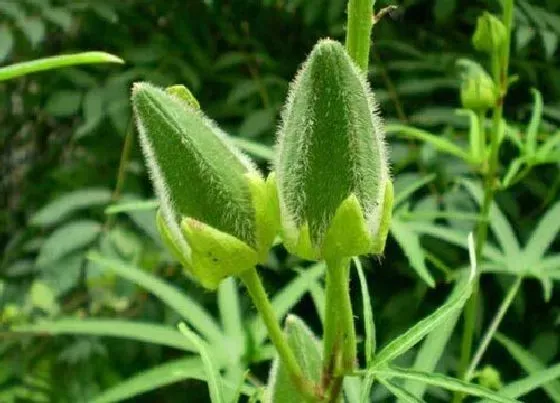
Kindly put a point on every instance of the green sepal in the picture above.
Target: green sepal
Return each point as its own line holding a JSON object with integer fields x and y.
{"x": 267, "y": 215}
{"x": 170, "y": 242}
{"x": 490, "y": 33}
{"x": 348, "y": 234}
{"x": 385, "y": 223}
{"x": 478, "y": 91}
{"x": 183, "y": 93}
{"x": 215, "y": 254}
{"x": 298, "y": 242}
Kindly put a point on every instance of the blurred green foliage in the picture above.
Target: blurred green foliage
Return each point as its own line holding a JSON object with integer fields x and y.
{"x": 62, "y": 137}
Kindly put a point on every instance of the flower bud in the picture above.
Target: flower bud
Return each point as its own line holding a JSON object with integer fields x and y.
{"x": 478, "y": 91}
{"x": 216, "y": 211}
{"x": 490, "y": 33}
{"x": 332, "y": 169}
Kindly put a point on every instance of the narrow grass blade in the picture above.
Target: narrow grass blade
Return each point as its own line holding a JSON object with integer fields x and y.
{"x": 367, "y": 384}
{"x": 498, "y": 221}
{"x": 535, "y": 122}
{"x": 400, "y": 393}
{"x": 56, "y": 62}
{"x": 409, "y": 242}
{"x": 439, "y": 143}
{"x": 143, "y": 332}
{"x": 455, "y": 238}
{"x": 126, "y": 207}
{"x": 169, "y": 295}
{"x": 430, "y": 353}
{"x": 410, "y": 189}
{"x": 212, "y": 372}
{"x": 529, "y": 363}
{"x": 367, "y": 315}
{"x": 232, "y": 323}
{"x": 162, "y": 375}
{"x": 318, "y": 296}
{"x": 543, "y": 236}
{"x": 417, "y": 332}
{"x": 534, "y": 381}
{"x": 443, "y": 382}
{"x": 285, "y": 299}
{"x": 255, "y": 149}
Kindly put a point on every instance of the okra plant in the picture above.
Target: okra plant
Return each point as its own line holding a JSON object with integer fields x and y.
{"x": 329, "y": 198}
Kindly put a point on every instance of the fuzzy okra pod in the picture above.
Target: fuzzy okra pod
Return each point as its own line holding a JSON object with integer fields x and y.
{"x": 334, "y": 187}
{"x": 217, "y": 213}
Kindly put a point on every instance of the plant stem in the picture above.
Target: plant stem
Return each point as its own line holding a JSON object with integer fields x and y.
{"x": 360, "y": 21}
{"x": 339, "y": 345}
{"x": 257, "y": 292}
{"x": 493, "y": 327}
{"x": 500, "y": 66}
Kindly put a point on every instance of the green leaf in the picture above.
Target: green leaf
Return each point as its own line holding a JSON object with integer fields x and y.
{"x": 61, "y": 207}
{"x": 189, "y": 310}
{"x": 407, "y": 340}
{"x": 430, "y": 353}
{"x": 125, "y": 207}
{"x": 6, "y": 42}
{"x": 498, "y": 222}
{"x": 534, "y": 124}
{"x": 160, "y": 376}
{"x": 442, "y": 381}
{"x": 543, "y": 236}
{"x": 403, "y": 194}
{"x": 56, "y": 62}
{"x": 255, "y": 149}
{"x": 305, "y": 346}
{"x": 33, "y": 28}
{"x": 63, "y": 104}
{"x": 400, "y": 393}
{"x": 367, "y": 315}
{"x": 534, "y": 381}
{"x": 529, "y": 363}
{"x": 232, "y": 323}
{"x": 59, "y": 16}
{"x": 66, "y": 239}
{"x": 210, "y": 368}
{"x": 409, "y": 241}
{"x": 439, "y": 143}
{"x": 286, "y": 298}
{"x": 144, "y": 332}
{"x": 455, "y": 238}
{"x": 42, "y": 296}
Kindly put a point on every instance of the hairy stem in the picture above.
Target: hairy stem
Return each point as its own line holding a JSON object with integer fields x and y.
{"x": 257, "y": 292}
{"x": 500, "y": 67}
{"x": 339, "y": 345}
{"x": 360, "y": 21}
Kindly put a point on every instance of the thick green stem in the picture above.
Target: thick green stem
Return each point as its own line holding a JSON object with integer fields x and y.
{"x": 500, "y": 67}
{"x": 339, "y": 345}
{"x": 360, "y": 21}
{"x": 257, "y": 292}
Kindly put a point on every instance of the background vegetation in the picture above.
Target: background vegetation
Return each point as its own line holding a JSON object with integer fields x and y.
{"x": 69, "y": 154}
